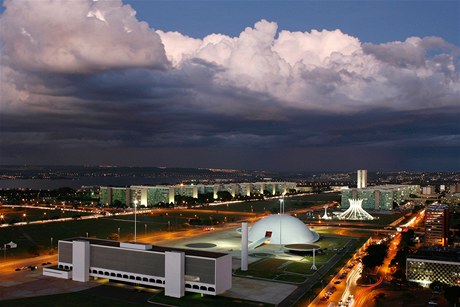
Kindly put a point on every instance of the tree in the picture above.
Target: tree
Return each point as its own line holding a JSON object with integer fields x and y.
{"x": 376, "y": 253}
{"x": 33, "y": 250}
{"x": 379, "y": 298}
{"x": 452, "y": 295}
{"x": 224, "y": 195}
{"x": 436, "y": 285}
{"x": 205, "y": 198}
{"x": 113, "y": 236}
{"x": 117, "y": 204}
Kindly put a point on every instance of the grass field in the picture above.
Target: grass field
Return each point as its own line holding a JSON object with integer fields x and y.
{"x": 294, "y": 271}
{"x": 114, "y": 296}
{"x": 37, "y": 238}
{"x": 18, "y": 214}
{"x": 290, "y": 203}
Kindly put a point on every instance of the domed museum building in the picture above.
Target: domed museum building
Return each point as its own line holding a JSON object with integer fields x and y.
{"x": 282, "y": 229}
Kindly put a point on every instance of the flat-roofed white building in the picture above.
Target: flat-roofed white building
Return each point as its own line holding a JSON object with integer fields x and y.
{"x": 175, "y": 270}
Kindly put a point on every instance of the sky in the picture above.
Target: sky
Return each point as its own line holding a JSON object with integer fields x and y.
{"x": 270, "y": 85}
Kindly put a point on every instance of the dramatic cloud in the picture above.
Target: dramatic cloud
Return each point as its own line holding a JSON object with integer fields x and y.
{"x": 77, "y": 37}
{"x": 79, "y": 74}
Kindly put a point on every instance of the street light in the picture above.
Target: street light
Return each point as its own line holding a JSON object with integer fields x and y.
{"x": 118, "y": 233}
{"x": 135, "y": 221}
{"x": 51, "y": 246}
{"x": 145, "y": 225}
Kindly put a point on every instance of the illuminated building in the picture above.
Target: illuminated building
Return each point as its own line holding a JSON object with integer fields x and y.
{"x": 436, "y": 224}
{"x": 431, "y": 263}
{"x": 355, "y": 211}
{"x": 428, "y": 190}
{"x": 381, "y": 197}
{"x": 175, "y": 270}
{"x": 111, "y": 195}
{"x": 361, "y": 179}
{"x": 152, "y": 195}
{"x": 281, "y": 229}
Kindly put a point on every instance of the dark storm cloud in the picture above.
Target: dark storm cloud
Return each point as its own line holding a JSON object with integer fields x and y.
{"x": 249, "y": 100}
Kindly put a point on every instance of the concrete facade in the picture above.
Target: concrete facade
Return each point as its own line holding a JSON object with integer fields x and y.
{"x": 152, "y": 195}
{"x": 176, "y": 270}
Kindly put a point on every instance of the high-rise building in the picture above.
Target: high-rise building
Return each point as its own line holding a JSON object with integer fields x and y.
{"x": 436, "y": 224}
{"x": 362, "y": 178}
{"x": 428, "y": 190}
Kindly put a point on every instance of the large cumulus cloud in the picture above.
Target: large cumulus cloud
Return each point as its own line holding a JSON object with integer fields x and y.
{"x": 326, "y": 70}
{"x": 88, "y": 73}
{"x": 77, "y": 37}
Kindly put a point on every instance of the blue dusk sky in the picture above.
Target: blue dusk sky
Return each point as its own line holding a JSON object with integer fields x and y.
{"x": 272, "y": 85}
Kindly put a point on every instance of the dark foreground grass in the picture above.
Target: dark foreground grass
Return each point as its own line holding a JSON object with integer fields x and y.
{"x": 195, "y": 299}
{"x": 115, "y": 296}
{"x": 67, "y": 299}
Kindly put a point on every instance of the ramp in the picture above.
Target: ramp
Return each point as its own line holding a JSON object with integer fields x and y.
{"x": 258, "y": 243}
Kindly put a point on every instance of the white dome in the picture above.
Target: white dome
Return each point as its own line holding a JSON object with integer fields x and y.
{"x": 292, "y": 230}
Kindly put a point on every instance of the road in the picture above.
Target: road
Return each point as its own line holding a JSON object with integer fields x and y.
{"x": 315, "y": 278}
{"x": 343, "y": 289}
{"x": 11, "y": 265}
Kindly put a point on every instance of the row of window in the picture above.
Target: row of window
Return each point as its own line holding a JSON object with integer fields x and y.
{"x": 65, "y": 267}
{"x": 196, "y": 287}
{"x": 126, "y": 276}
{"x": 150, "y": 280}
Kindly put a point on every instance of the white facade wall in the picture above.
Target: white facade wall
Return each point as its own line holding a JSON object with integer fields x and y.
{"x": 80, "y": 260}
{"x": 223, "y": 274}
{"x": 174, "y": 274}
{"x": 57, "y": 273}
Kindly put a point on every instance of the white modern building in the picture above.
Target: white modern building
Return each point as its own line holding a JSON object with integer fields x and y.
{"x": 281, "y": 229}
{"x": 175, "y": 270}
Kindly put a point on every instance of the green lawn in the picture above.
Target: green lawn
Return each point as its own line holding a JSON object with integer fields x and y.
{"x": 295, "y": 271}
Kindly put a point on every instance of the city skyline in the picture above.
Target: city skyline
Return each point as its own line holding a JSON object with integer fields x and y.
{"x": 297, "y": 85}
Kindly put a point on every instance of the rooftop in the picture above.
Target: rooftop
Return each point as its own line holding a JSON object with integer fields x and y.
{"x": 153, "y": 248}
{"x": 437, "y": 206}
{"x": 388, "y": 187}
{"x": 437, "y": 253}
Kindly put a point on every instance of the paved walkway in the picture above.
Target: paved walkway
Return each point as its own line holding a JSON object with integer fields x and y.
{"x": 259, "y": 290}
{"x": 32, "y": 283}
